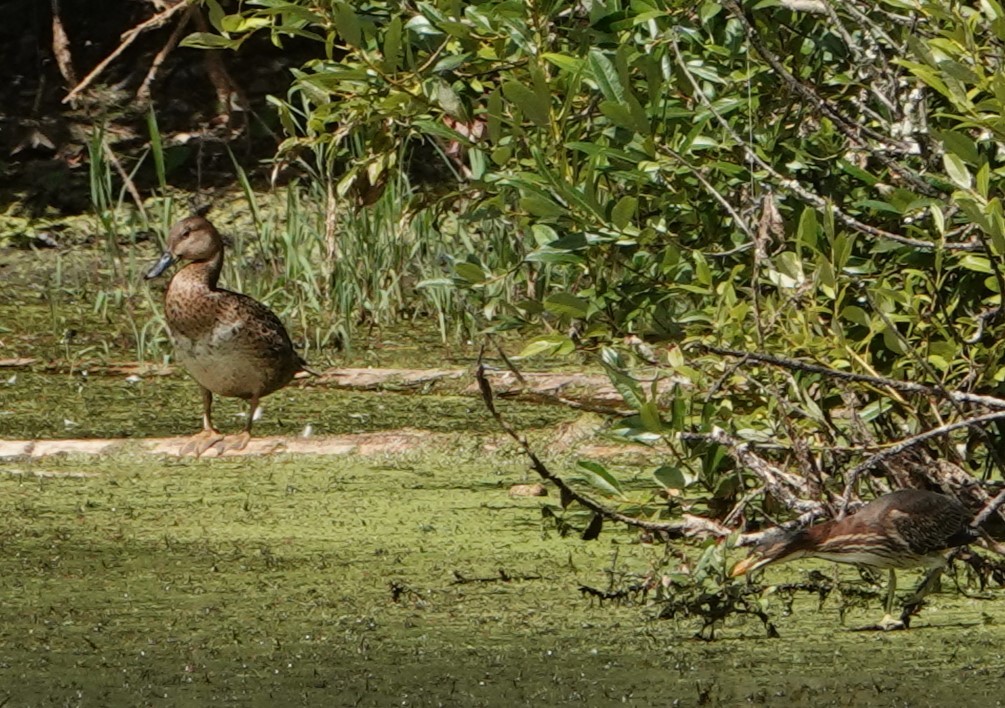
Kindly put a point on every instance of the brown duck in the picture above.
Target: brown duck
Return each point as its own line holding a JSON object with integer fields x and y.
{"x": 231, "y": 344}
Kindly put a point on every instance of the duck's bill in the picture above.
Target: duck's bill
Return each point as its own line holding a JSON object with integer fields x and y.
{"x": 160, "y": 266}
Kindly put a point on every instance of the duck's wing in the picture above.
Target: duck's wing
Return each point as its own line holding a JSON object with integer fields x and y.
{"x": 248, "y": 323}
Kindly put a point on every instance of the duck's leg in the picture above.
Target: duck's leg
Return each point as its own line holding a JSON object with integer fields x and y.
{"x": 241, "y": 440}
{"x": 208, "y": 436}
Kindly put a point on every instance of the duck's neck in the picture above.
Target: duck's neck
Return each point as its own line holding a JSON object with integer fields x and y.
{"x": 206, "y": 273}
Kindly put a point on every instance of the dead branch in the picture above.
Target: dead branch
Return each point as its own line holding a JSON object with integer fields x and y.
{"x": 502, "y": 577}
{"x": 690, "y": 526}
{"x": 127, "y": 180}
{"x": 127, "y": 39}
{"x": 989, "y": 508}
{"x": 896, "y": 449}
{"x": 782, "y": 485}
{"x": 143, "y": 92}
{"x": 61, "y": 46}
{"x": 882, "y": 381}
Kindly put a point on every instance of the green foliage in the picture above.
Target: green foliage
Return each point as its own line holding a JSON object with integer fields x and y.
{"x": 823, "y": 186}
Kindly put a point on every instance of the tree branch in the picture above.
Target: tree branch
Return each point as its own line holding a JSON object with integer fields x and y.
{"x": 690, "y": 526}
{"x": 905, "y": 386}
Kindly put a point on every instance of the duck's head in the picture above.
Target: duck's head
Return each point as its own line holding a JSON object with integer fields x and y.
{"x": 191, "y": 239}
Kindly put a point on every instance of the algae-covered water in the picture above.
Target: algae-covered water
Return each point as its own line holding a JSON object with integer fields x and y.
{"x": 37, "y": 405}
{"x": 290, "y": 580}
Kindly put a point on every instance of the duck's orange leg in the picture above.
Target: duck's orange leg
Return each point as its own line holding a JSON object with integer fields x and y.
{"x": 209, "y": 436}
{"x": 240, "y": 441}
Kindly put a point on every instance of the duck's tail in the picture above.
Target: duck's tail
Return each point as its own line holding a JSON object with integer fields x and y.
{"x": 303, "y": 366}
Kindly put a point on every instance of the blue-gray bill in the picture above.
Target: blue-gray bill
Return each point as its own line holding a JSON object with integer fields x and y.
{"x": 162, "y": 264}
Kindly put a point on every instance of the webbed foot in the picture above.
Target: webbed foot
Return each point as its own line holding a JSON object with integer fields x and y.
{"x": 200, "y": 442}
{"x": 234, "y": 443}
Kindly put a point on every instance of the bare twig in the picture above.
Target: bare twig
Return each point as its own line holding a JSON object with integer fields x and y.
{"x": 126, "y": 178}
{"x": 989, "y": 508}
{"x": 502, "y": 577}
{"x": 904, "y": 386}
{"x": 690, "y": 526}
{"x": 782, "y": 485}
{"x": 699, "y": 174}
{"x": 894, "y": 450}
{"x": 143, "y": 92}
{"x": 61, "y": 46}
{"x": 127, "y": 39}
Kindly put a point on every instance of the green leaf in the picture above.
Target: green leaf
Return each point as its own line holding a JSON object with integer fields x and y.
{"x": 650, "y": 416}
{"x": 449, "y": 100}
{"x": 623, "y": 211}
{"x": 978, "y": 264}
{"x": 606, "y": 76}
{"x": 572, "y": 65}
{"x": 541, "y": 206}
{"x": 625, "y": 385}
{"x": 807, "y": 232}
{"x": 709, "y": 10}
{"x": 959, "y": 144}
{"x": 216, "y": 15}
{"x": 597, "y": 475}
{"x": 543, "y": 234}
{"x": 957, "y": 171}
{"x": 873, "y": 410}
{"x": 566, "y": 304}
{"x": 670, "y": 477}
{"x": 856, "y": 315}
{"x": 494, "y": 117}
{"x": 392, "y": 45}
{"x": 546, "y": 255}
{"x": 893, "y": 341}
{"x": 529, "y": 103}
{"x": 470, "y": 272}
{"x": 788, "y": 270}
{"x": 208, "y": 40}
{"x": 619, "y": 114}
{"x": 435, "y": 283}
{"x": 983, "y": 180}
{"x": 238, "y": 24}
{"x": 347, "y": 24}
{"x": 551, "y": 344}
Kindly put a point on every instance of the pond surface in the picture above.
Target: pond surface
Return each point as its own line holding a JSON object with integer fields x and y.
{"x": 139, "y": 580}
